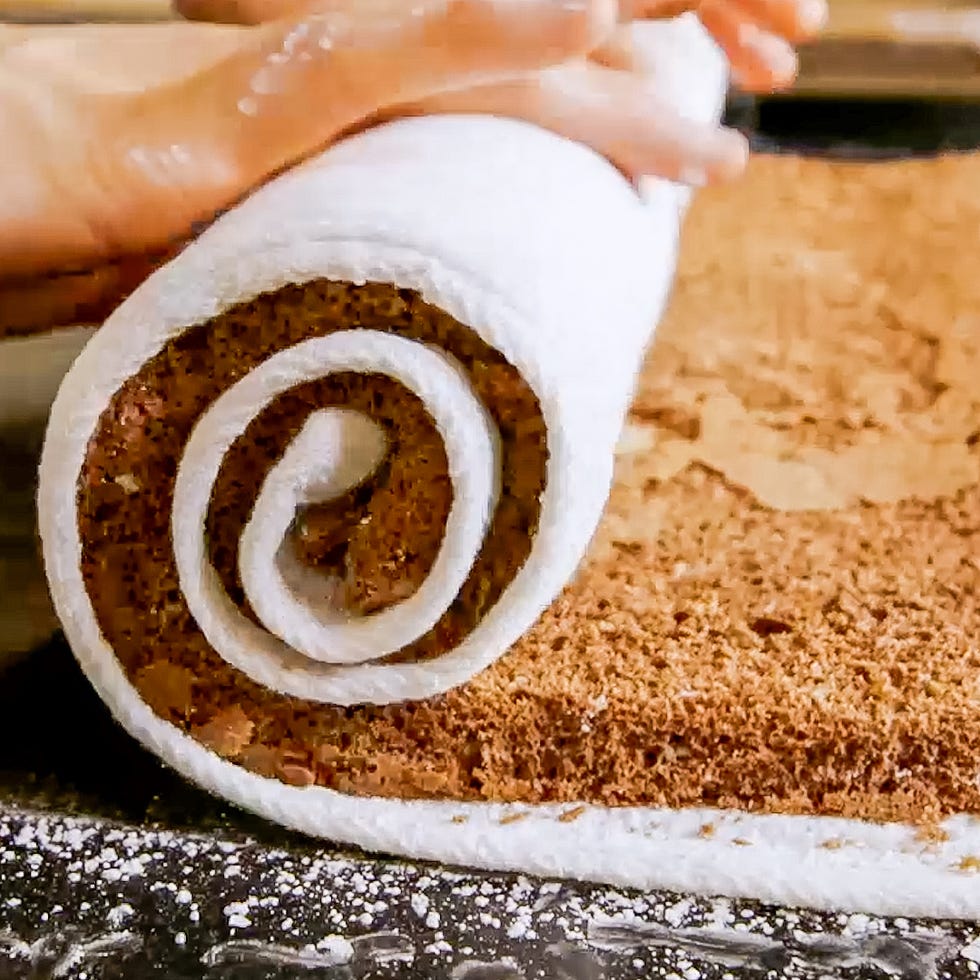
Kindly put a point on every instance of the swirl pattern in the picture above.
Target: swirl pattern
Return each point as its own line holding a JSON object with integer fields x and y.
{"x": 235, "y": 605}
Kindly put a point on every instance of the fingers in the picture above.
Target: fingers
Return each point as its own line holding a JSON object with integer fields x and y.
{"x": 794, "y": 20}
{"x": 756, "y": 35}
{"x": 306, "y": 83}
{"x": 614, "y": 113}
{"x": 336, "y": 69}
{"x": 760, "y": 61}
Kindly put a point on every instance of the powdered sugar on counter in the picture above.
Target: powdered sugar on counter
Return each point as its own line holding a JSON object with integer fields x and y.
{"x": 152, "y": 897}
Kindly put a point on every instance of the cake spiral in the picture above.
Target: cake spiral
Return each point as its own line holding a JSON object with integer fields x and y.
{"x": 330, "y": 486}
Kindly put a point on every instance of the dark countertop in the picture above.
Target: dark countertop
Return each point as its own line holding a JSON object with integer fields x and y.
{"x": 86, "y": 898}
{"x": 113, "y": 867}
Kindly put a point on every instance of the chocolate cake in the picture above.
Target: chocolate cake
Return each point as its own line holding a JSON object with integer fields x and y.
{"x": 780, "y": 612}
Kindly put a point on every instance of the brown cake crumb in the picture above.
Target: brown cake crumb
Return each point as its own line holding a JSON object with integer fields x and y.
{"x": 227, "y": 732}
{"x": 378, "y": 541}
{"x": 167, "y": 688}
{"x": 781, "y": 610}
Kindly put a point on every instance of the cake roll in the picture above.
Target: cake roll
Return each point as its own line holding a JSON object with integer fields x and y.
{"x": 373, "y": 512}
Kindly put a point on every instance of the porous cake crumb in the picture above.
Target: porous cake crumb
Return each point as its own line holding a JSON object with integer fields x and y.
{"x": 780, "y": 612}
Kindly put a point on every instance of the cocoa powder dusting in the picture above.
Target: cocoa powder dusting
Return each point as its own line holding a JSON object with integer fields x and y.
{"x": 781, "y": 610}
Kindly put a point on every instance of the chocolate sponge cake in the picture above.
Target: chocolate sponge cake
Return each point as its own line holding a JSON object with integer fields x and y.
{"x": 776, "y": 619}
{"x": 779, "y": 613}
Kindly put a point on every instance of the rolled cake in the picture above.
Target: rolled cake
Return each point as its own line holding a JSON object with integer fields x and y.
{"x": 761, "y": 682}
{"x": 357, "y": 437}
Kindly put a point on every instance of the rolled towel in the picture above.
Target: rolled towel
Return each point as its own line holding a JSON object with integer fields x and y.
{"x": 349, "y": 445}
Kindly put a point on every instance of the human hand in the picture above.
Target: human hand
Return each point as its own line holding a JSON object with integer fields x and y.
{"x": 757, "y": 36}
{"x": 121, "y": 139}
{"x": 118, "y": 149}
{"x": 609, "y": 101}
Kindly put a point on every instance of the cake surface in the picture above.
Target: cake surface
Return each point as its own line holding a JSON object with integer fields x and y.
{"x": 780, "y": 610}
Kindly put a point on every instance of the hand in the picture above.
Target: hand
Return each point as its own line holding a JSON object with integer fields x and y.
{"x": 757, "y": 36}
{"x": 118, "y": 148}
{"x": 121, "y": 139}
